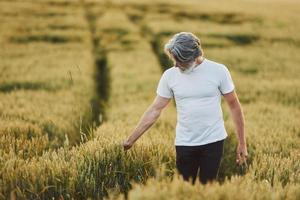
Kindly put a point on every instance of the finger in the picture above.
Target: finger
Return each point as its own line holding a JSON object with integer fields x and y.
{"x": 127, "y": 147}
{"x": 244, "y": 159}
{"x": 239, "y": 158}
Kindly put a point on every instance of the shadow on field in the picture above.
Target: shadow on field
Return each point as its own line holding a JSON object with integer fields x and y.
{"x": 135, "y": 17}
{"x": 288, "y": 40}
{"x": 222, "y": 18}
{"x": 101, "y": 96}
{"x": 64, "y": 27}
{"x": 47, "y": 14}
{"x": 177, "y": 12}
{"x": 119, "y": 32}
{"x": 26, "y": 85}
{"x": 239, "y": 39}
{"x": 55, "y": 39}
{"x": 60, "y": 3}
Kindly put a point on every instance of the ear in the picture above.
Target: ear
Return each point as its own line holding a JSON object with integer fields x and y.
{"x": 197, "y": 60}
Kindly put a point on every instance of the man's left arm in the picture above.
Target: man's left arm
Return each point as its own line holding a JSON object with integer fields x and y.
{"x": 238, "y": 118}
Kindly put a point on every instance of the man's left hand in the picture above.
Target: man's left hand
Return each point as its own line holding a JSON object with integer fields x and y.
{"x": 241, "y": 154}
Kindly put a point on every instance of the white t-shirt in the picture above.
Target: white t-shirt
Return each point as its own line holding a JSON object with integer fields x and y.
{"x": 198, "y": 101}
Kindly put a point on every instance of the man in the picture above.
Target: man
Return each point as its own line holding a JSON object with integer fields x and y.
{"x": 197, "y": 85}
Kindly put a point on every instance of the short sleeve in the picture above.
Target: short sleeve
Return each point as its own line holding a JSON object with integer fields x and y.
{"x": 226, "y": 82}
{"x": 163, "y": 88}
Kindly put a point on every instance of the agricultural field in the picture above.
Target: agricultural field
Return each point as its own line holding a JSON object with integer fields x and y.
{"x": 77, "y": 75}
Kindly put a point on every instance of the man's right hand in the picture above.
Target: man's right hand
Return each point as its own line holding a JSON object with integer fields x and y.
{"x": 127, "y": 145}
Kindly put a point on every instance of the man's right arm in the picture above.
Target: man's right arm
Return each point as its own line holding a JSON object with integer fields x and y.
{"x": 147, "y": 120}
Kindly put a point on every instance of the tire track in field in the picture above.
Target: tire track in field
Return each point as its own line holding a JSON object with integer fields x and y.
{"x": 102, "y": 77}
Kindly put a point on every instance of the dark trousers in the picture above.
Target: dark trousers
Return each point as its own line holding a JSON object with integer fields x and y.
{"x": 207, "y": 158}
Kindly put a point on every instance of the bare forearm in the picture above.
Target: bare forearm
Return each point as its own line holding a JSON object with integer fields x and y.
{"x": 238, "y": 118}
{"x": 146, "y": 121}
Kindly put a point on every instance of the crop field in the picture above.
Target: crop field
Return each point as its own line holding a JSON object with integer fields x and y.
{"x": 77, "y": 75}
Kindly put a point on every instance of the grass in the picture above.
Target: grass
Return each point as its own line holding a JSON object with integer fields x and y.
{"x": 46, "y": 78}
{"x": 47, "y": 89}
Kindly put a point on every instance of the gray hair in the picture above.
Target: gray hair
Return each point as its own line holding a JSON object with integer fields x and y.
{"x": 184, "y": 46}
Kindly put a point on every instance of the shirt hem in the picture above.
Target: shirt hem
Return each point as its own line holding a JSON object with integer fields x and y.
{"x": 197, "y": 144}
{"x": 228, "y": 91}
{"x": 165, "y": 96}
